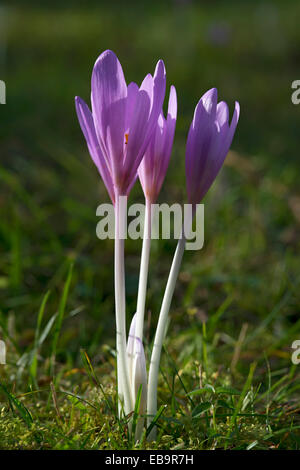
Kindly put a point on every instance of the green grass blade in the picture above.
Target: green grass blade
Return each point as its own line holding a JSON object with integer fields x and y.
{"x": 155, "y": 419}
{"x": 91, "y": 373}
{"x": 14, "y": 402}
{"x": 33, "y": 365}
{"x": 241, "y": 398}
{"x": 136, "y": 411}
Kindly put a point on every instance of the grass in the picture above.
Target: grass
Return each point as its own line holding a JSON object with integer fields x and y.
{"x": 227, "y": 380}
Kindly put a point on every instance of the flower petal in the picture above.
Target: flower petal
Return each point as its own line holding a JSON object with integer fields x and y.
{"x": 209, "y": 101}
{"x": 159, "y": 90}
{"x": 234, "y": 122}
{"x": 200, "y": 137}
{"x": 87, "y": 126}
{"x": 164, "y": 142}
{"x": 171, "y": 120}
{"x": 152, "y": 92}
{"x": 227, "y": 134}
{"x": 207, "y": 145}
{"x": 222, "y": 115}
{"x": 137, "y": 132}
{"x": 132, "y": 93}
{"x": 109, "y": 93}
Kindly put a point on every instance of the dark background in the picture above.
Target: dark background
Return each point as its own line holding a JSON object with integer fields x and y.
{"x": 250, "y": 51}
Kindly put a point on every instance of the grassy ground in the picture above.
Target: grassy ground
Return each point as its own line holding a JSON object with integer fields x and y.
{"x": 227, "y": 380}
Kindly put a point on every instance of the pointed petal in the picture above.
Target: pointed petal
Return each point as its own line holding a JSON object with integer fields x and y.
{"x": 153, "y": 167}
{"x": 137, "y": 132}
{"x": 109, "y": 93}
{"x": 159, "y": 90}
{"x": 227, "y": 137}
{"x": 87, "y": 126}
{"x": 171, "y": 120}
{"x": 207, "y": 146}
{"x": 200, "y": 137}
{"x": 132, "y": 93}
{"x": 172, "y": 105}
{"x": 220, "y": 150}
{"x": 222, "y": 115}
{"x": 152, "y": 92}
{"x": 234, "y": 121}
{"x": 209, "y": 101}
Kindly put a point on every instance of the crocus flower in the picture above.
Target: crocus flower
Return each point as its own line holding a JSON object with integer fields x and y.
{"x": 121, "y": 124}
{"x": 118, "y": 131}
{"x": 208, "y": 142}
{"x": 153, "y": 168}
{"x": 152, "y": 172}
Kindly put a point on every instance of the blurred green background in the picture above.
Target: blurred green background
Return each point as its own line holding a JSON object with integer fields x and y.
{"x": 250, "y": 51}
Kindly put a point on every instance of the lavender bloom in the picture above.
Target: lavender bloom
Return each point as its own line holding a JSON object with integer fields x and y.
{"x": 121, "y": 124}
{"x": 154, "y": 165}
{"x": 208, "y": 142}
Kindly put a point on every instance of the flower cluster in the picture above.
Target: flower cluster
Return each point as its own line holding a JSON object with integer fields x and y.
{"x": 128, "y": 137}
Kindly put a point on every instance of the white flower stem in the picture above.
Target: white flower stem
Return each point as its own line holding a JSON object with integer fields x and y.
{"x": 160, "y": 334}
{"x": 120, "y": 305}
{"x": 144, "y": 267}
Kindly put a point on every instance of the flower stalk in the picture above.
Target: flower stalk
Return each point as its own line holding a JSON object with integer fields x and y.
{"x": 160, "y": 334}
{"x": 144, "y": 267}
{"x": 120, "y": 306}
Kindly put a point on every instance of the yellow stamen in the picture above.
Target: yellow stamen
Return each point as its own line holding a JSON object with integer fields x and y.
{"x": 126, "y": 138}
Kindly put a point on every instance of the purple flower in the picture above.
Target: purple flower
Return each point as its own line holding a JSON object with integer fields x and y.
{"x": 208, "y": 142}
{"x": 121, "y": 124}
{"x": 154, "y": 165}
